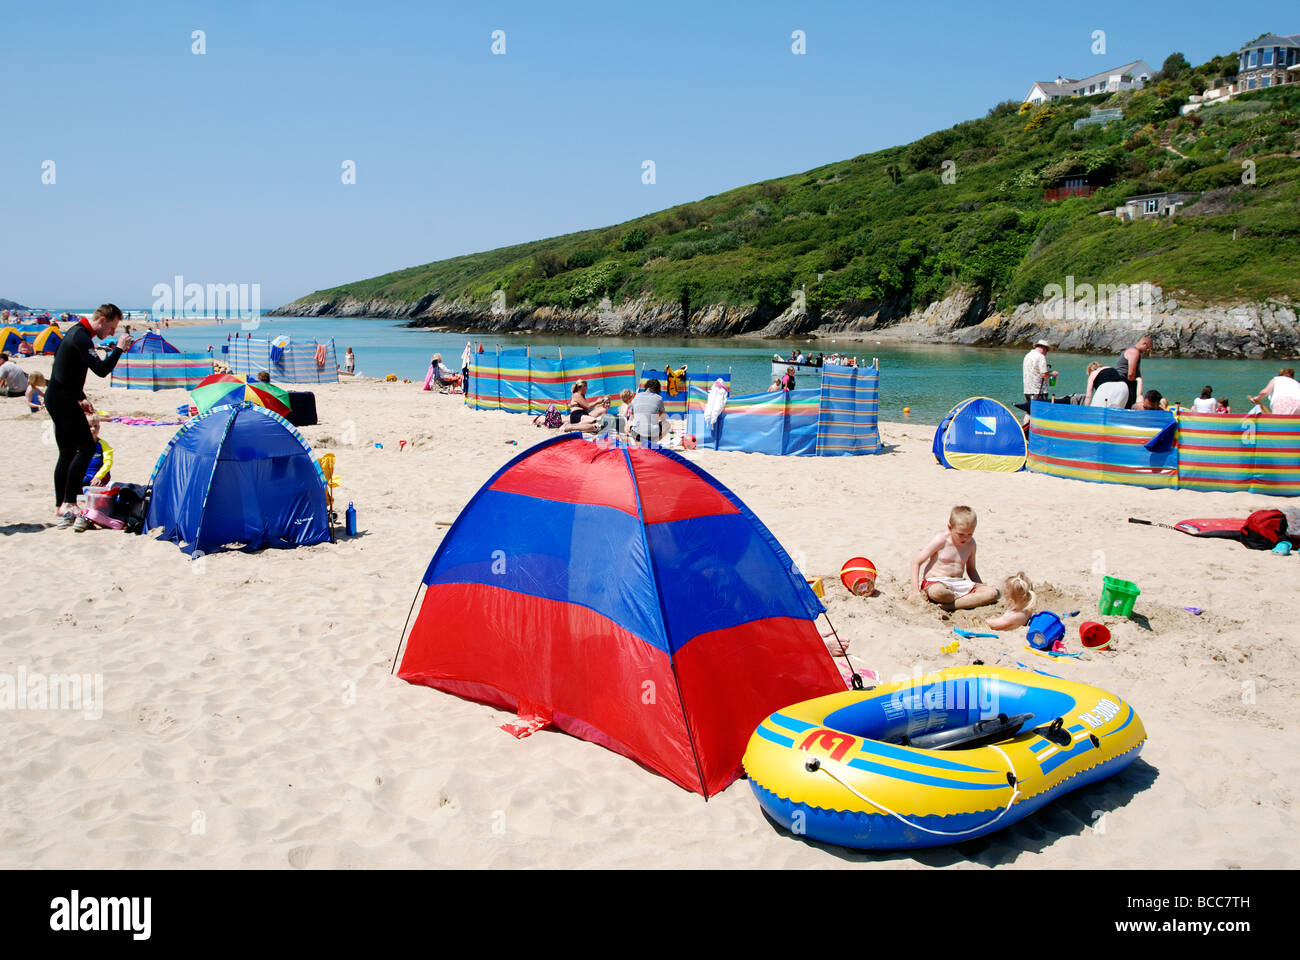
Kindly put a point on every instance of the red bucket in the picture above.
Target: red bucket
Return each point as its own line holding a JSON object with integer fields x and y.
{"x": 858, "y": 576}
{"x": 1094, "y": 636}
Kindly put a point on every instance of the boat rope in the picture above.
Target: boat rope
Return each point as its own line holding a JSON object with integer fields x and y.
{"x": 844, "y": 652}
{"x": 815, "y": 764}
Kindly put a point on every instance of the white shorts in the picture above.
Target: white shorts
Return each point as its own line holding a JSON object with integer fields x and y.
{"x": 960, "y": 586}
{"x": 1113, "y": 395}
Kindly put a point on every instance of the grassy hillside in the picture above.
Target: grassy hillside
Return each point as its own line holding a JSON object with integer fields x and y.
{"x": 885, "y": 226}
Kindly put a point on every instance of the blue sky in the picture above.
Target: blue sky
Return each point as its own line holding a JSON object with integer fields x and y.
{"x": 226, "y": 167}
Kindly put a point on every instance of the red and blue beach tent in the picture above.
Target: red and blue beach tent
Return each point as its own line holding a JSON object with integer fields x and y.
{"x": 628, "y": 598}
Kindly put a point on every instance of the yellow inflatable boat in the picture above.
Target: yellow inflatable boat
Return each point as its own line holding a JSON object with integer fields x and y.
{"x": 936, "y": 759}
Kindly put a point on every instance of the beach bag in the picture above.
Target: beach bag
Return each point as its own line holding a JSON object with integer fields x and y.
{"x": 550, "y": 419}
{"x": 129, "y": 506}
{"x": 1264, "y": 529}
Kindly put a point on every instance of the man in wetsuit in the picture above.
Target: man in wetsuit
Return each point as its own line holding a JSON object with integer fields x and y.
{"x": 65, "y": 399}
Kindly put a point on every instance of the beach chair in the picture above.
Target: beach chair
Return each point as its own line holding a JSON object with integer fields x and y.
{"x": 326, "y": 462}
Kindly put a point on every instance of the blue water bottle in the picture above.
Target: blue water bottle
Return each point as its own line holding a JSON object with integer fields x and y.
{"x": 351, "y": 520}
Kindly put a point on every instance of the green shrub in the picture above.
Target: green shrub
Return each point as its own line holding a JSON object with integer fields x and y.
{"x": 634, "y": 239}
{"x": 583, "y": 258}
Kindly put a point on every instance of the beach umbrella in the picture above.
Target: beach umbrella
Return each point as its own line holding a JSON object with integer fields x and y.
{"x": 222, "y": 389}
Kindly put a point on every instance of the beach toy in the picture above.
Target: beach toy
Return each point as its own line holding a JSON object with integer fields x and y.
{"x": 350, "y": 519}
{"x": 1195, "y": 611}
{"x": 907, "y": 411}
{"x": 1094, "y": 635}
{"x": 689, "y": 441}
{"x": 968, "y": 634}
{"x": 1051, "y": 653}
{"x": 818, "y": 587}
{"x": 875, "y": 768}
{"x": 390, "y": 378}
{"x": 951, "y": 647}
{"x": 378, "y": 445}
{"x": 1045, "y": 628}
{"x": 513, "y": 442}
{"x": 858, "y": 576}
{"x": 1283, "y": 548}
{"x": 1117, "y": 597}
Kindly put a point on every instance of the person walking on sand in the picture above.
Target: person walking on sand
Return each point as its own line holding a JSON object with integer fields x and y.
{"x": 1283, "y": 393}
{"x": 349, "y": 362}
{"x": 65, "y": 399}
{"x": 466, "y": 358}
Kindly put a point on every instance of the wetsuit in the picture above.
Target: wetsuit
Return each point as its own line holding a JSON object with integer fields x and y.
{"x": 75, "y": 357}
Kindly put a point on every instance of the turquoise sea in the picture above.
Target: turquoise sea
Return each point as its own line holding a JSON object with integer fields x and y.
{"x": 928, "y": 379}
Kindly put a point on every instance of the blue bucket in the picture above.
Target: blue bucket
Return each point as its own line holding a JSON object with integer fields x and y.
{"x": 1044, "y": 630}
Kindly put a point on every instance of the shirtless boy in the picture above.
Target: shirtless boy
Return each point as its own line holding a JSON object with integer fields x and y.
{"x": 945, "y": 570}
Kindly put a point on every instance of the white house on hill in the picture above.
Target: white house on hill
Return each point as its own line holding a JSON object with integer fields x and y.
{"x": 1130, "y": 76}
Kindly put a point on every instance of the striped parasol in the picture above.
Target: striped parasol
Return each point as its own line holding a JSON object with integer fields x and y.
{"x": 221, "y": 389}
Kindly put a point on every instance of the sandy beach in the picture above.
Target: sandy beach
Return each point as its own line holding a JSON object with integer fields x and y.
{"x": 249, "y": 718}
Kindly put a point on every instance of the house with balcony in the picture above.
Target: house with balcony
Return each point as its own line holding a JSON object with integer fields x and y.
{"x": 1268, "y": 61}
{"x": 1129, "y": 76}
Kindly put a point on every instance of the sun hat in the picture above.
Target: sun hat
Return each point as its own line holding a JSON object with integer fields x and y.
{"x": 1043, "y": 343}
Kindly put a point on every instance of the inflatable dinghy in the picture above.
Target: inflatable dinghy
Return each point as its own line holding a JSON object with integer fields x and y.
{"x": 937, "y": 759}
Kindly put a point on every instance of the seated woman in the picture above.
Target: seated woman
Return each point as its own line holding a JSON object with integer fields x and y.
{"x": 1282, "y": 393}
{"x": 584, "y": 414}
{"x": 440, "y": 374}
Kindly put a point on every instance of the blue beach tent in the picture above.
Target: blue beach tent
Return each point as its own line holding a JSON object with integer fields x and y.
{"x": 238, "y": 475}
{"x": 980, "y": 434}
{"x": 152, "y": 343}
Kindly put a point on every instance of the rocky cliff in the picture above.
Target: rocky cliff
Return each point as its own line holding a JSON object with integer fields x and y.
{"x": 1255, "y": 331}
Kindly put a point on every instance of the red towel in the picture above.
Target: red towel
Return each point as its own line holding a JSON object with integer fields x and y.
{"x": 320, "y": 354}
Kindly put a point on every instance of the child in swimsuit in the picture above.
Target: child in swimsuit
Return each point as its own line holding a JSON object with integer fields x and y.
{"x": 35, "y": 391}
{"x": 944, "y": 571}
{"x": 1020, "y": 603}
